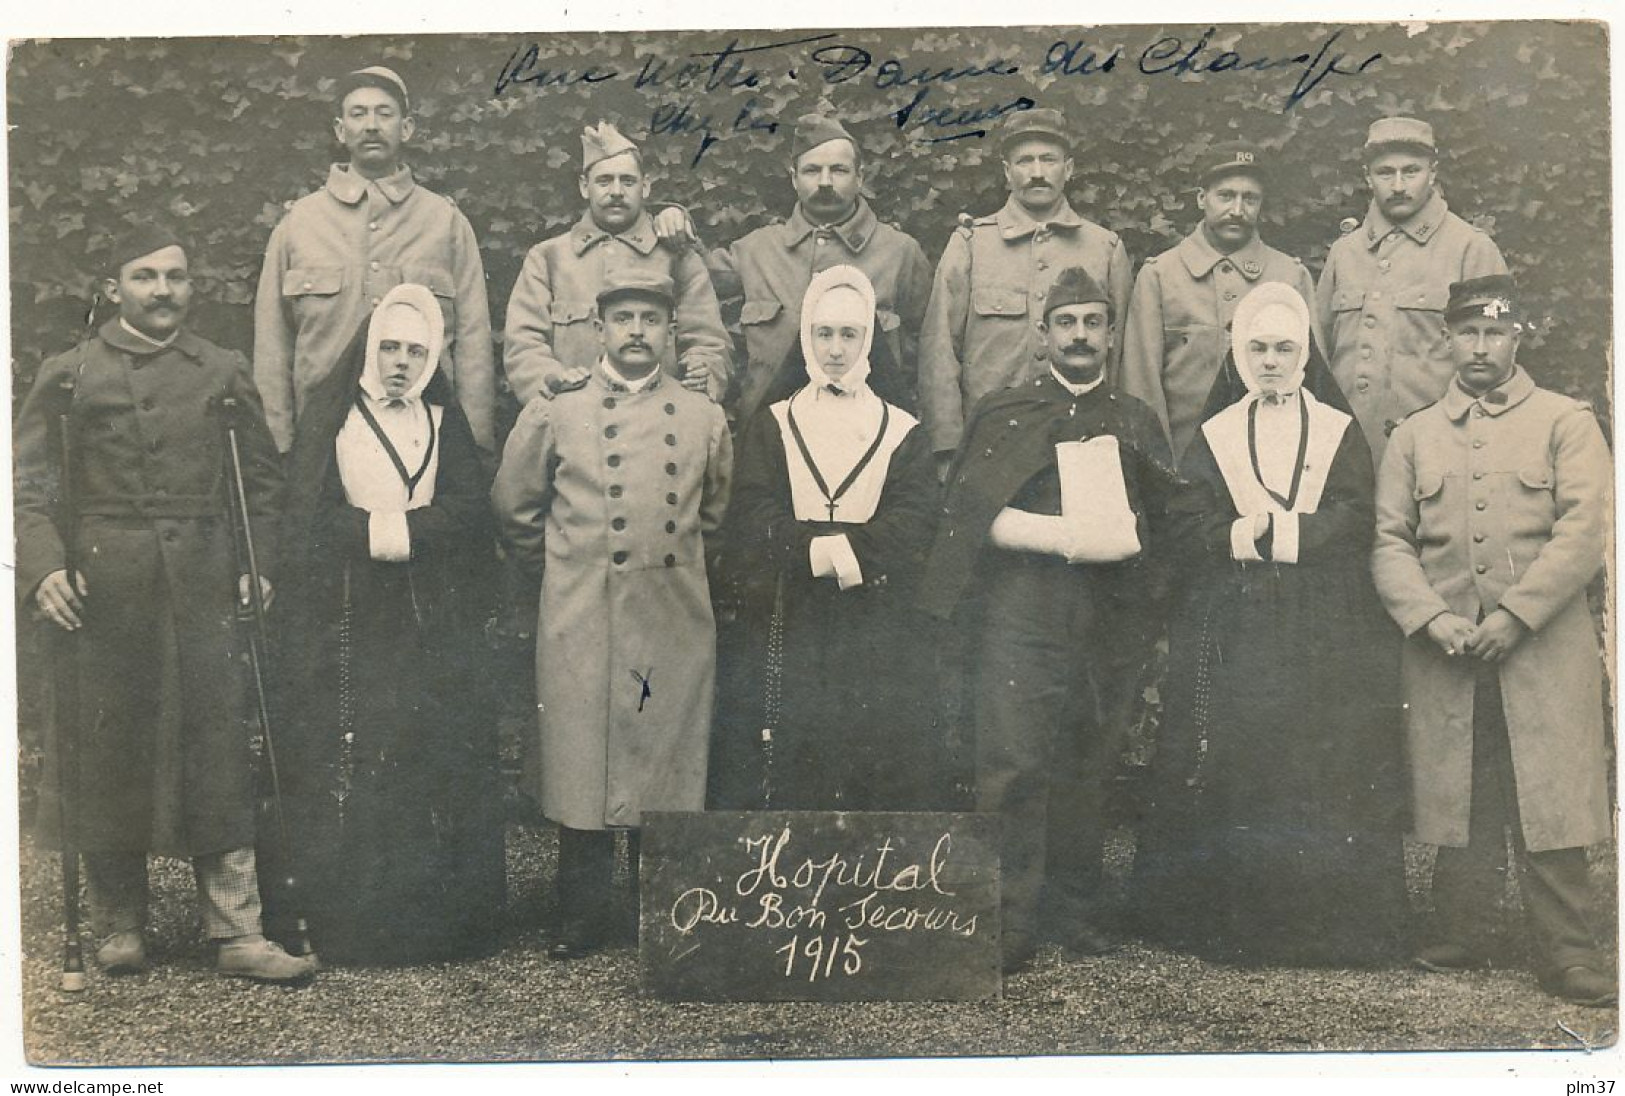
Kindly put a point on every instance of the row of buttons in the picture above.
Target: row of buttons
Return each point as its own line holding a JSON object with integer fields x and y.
{"x": 618, "y": 524}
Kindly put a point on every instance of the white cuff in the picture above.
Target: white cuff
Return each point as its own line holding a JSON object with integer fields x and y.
{"x": 1242, "y": 544}
{"x": 832, "y": 556}
{"x": 1284, "y": 546}
{"x": 388, "y": 539}
{"x": 818, "y": 555}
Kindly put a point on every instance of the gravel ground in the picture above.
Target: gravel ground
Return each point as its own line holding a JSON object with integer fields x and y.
{"x": 517, "y": 1005}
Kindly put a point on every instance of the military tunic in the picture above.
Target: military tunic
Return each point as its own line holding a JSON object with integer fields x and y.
{"x": 618, "y": 491}
{"x": 1178, "y": 328}
{"x": 987, "y": 300}
{"x": 771, "y": 268}
{"x": 1484, "y": 505}
{"x": 164, "y": 749}
{"x": 332, "y": 259}
{"x": 1380, "y": 301}
{"x": 549, "y": 326}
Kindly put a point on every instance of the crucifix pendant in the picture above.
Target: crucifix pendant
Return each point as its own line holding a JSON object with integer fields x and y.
{"x": 831, "y": 505}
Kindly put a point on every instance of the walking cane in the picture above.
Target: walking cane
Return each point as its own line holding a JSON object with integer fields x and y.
{"x": 258, "y": 657}
{"x": 66, "y": 711}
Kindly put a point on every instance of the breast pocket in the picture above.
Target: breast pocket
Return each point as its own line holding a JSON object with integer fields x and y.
{"x": 759, "y": 312}
{"x": 311, "y": 290}
{"x": 565, "y": 313}
{"x": 1532, "y": 505}
{"x": 999, "y": 302}
{"x": 1420, "y": 309}
{"x": 1348, "y": 300}
{"x": 435, "y": 279}
{"x": 1432, "y": 510}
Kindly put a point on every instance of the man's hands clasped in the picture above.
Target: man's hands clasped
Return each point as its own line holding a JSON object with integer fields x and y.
{"x": 1492, "y": 640}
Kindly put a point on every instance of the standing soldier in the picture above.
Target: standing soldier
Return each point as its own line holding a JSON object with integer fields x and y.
{"x": 1493, "y": 514}
{"x": 1026, "y": 558}
{"x": 770, "y": 268}
{"x": 617, "y": 486}
{"x": 1382, "y": 293}
{"x": 1179, "y": 319}
{"x": 339, "y": 250}
{"x": 164, "y": 765}
{"x": 983, "y": 325}
{"x": 549, "y": 342}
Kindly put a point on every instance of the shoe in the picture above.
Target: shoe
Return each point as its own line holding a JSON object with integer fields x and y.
{"x": 1584, "y": 986}
{"x": 122, "y": 953}
{"x": 258, "y": 958}
{"x": 1447, "y": 958}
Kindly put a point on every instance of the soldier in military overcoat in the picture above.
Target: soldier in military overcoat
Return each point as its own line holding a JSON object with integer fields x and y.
{"x": 982, "y": 325}
{"x": 1178, "y": 327}
{"x": 1382, "y": 292}
{"x": 549, "y": 343}
{"x": 162, "y": 761}
{"x": 1493, "y": 514}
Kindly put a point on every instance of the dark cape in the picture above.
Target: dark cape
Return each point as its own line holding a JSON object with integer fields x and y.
{"x": 390, "y": 765}
{"x": 1274, "y": 834}
{"x": 841, "y": 679}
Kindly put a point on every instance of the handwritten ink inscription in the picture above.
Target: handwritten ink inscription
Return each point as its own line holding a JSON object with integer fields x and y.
{"x": 698, "y": 95}
{"x": 802, "y": 905}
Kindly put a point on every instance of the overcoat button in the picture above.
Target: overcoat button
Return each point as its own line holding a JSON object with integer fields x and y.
{"x": 671, "y": 560}
{"x": 671, "y": 469}
{"x": 618, "y": 524}
{"x": 619, "y": 557}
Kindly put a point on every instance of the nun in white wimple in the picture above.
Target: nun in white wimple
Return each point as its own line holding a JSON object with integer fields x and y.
{"x": 827, "y": 703}
{"x": 389, "y": 767}
{"x": 1278, "y": 780}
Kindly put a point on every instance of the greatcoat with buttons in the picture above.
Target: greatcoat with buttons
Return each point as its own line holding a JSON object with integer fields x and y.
{"x": 981, "y": 325}
{"x": 771, "y": 268}
{"x": 1380, "y": 301}
{"x": 165, "y": 764}
{"x": 549, "y": 325}
{"x": 1178, "y": 328}
{"x": 613, "y": 495}
{"x": 332, "y": 259}
{"x": 1484, "y": 505}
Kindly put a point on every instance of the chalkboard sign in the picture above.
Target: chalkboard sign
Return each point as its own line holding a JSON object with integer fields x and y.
{"x": 819, "y": 906}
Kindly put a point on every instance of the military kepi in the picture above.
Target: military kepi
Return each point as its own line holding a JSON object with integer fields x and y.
{"x": 1037, "y": 122}
{"x": 813, "y": 130}
{"x": 1494, "y": 296}
{"x": 602, "y": 141}
{"x": 140, "y": 240}
{"x": 1395, "y": 133}
{"x": 1075, "y": 285}
{"x": 1232, "y": 158}
{"x": 376, "y": 76}
{"x": 634, "y": 283}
